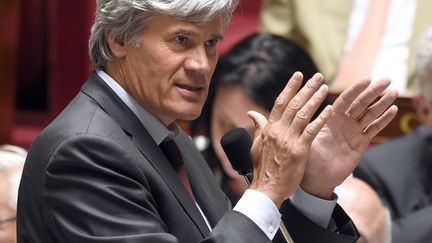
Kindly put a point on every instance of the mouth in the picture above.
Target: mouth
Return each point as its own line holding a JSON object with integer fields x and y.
{"x": 190, "y": 92}
{"x": 190, "y": 88}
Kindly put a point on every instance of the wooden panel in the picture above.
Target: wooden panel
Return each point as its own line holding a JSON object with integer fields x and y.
{"x": 404, "y": 122}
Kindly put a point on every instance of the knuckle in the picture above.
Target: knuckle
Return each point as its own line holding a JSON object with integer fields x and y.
{"x": 279, "y": 102}
{"x": 297, "y": 154}
{"x": 310, "y": 130}
{"x": 274, "y": 133}
{"x": 302, "y": 115}
{"x": 310, "y": 86}
{"x": 294, "y": 104}
{"x": 293, "y": 83}
{"x": 317, "y": 98}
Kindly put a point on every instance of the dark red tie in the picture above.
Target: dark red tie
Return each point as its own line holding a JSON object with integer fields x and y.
{"x": 172, "y": 152}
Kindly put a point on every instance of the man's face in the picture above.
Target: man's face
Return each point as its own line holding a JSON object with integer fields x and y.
{"x": 168, "y": 69}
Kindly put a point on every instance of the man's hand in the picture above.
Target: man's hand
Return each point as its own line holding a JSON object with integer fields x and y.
{"x": 282, "y": 143}
{"x": 338, "y": 147}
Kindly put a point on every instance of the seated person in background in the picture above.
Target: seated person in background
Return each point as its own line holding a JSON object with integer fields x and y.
{"x": 366, "y": 210}
{"x": 401, "y": 170}
{"x": 114, "y": 166}
{"x": 250, "y": 77}
{"x": 350, "y": 39}
{"x": 11, "y": 163}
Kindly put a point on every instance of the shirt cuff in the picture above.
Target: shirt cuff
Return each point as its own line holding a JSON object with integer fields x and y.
{"x": 261, "y": 210}
{"x": 316, "y": 209}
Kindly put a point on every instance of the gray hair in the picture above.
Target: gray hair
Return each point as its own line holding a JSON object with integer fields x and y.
{"x": 424, "y": 63}
{"x": 128, "y": 18}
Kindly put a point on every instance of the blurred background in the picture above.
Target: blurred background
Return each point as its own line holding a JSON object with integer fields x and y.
{"x": 44, "y": 62}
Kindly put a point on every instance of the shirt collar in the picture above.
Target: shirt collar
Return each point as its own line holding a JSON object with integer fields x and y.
{"x": 153, "y": 126}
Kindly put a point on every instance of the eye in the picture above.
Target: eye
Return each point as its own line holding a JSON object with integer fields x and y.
{"x": 181, "y": 39}
{"x": 212, "y": 42}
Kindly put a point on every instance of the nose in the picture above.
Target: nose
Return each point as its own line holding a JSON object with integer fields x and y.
{"x": 198, "y": 62}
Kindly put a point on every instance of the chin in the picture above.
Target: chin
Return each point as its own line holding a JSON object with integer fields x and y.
{"x": 189, "y": 115}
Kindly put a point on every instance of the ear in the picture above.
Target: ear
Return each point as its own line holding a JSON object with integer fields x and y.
{"x": 118, "y": 48}
{"x": 420, "y": 106}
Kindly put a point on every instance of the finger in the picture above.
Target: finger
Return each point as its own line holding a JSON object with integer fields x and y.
{"x": 374, "y": 111}
{"x": 367, "y": 97}
{"x": 301, "y": 98}
{"x": 259, "y": 121}
{"x": 304, "y": 115}
{"x": 285, "y": 96}
{"x": 376, "y": 126}
{"x": 311, "y": 131}
{"x": 346, "y": 98}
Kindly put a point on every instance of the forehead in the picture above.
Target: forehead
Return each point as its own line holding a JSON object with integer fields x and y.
{"x": 164, "y": 24}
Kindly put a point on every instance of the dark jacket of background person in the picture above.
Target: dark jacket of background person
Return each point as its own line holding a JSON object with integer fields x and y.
{"x": 400, "y": 171}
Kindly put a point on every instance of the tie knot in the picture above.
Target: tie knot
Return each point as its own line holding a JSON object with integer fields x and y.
{"x": 172, "y": 152}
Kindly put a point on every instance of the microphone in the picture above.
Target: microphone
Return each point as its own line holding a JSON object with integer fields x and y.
{"x": 237, "y": 145}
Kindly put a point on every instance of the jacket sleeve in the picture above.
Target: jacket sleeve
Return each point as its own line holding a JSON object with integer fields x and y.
{"x": 302, "y": 229}
{"x": 414, "y": 227}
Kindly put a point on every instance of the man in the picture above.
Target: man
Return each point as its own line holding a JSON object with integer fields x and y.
{"x": 11, "y": 163}
{"x": 330, "y": 30}
{"x": 115, "y": 167}
{"x": 401, "y": 170}
{"x": 366, "y": 210}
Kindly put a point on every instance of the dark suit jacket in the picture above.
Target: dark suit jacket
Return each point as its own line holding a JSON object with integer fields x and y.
{"x": 397, "y": 170}
{"x": 95, "y": 175}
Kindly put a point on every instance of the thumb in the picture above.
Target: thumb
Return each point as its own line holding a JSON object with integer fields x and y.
{"x": 259, "y": 121}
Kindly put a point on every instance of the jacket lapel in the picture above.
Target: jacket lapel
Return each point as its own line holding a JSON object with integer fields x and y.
{"x": 97, "y": 89}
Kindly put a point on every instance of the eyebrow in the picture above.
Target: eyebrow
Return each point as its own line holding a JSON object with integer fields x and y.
{"x": 219, "y": 37}
{"x": 192, "y": 33}
{"x": 185, "y": 32}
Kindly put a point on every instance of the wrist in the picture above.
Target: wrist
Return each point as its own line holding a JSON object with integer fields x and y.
{"x": 319, "y": 190}
{"x": 275, "y": 197}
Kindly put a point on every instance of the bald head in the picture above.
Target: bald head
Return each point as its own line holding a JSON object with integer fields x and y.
{"x": 365, "y": 208}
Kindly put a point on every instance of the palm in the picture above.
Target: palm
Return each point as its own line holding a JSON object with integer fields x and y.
{"x": 343, "y": 134}
{"x": 339, "y": 145}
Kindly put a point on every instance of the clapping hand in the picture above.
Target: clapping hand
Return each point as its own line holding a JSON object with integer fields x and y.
{"x": 357, "y": 117}
{"x": 282, "y": 143}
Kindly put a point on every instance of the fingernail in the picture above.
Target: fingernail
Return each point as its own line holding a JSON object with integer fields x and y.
{"x": 317, "y": 78}
{"x": 297, "y": 76}
{"x": 327, "y": 110}
{"x": 323, "y": 88}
